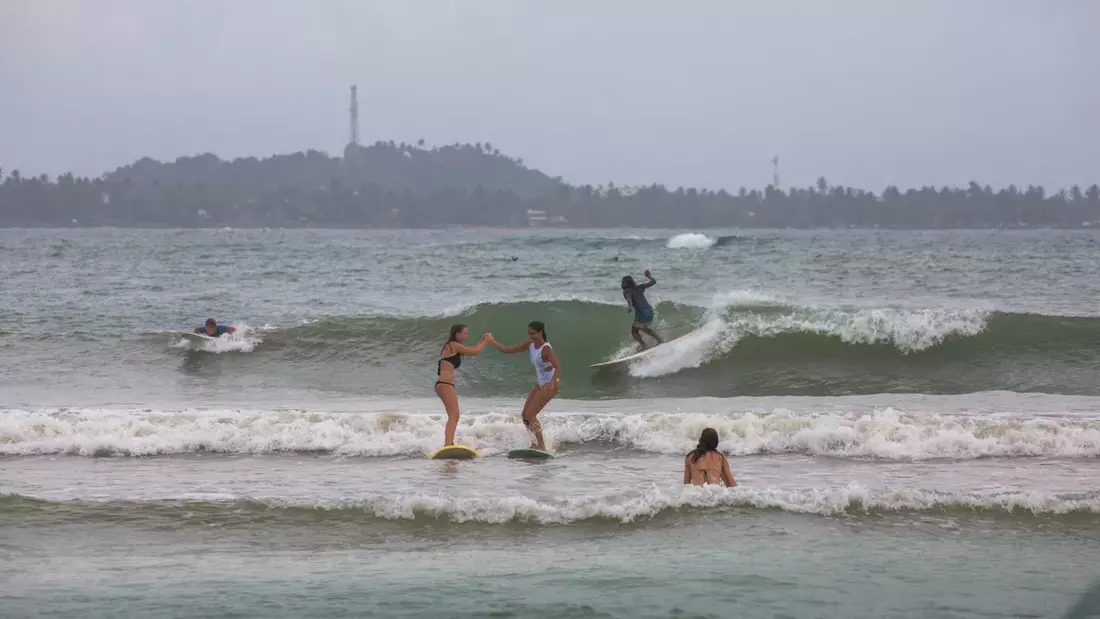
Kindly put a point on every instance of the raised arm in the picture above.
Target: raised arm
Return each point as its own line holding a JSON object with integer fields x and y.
{"x": 687, "y": 469}
{"x": 510, "y": 350}
{"x": 727, "y": 474}
{"x": 651, "y": 282}
{"x": 470, "y": 351}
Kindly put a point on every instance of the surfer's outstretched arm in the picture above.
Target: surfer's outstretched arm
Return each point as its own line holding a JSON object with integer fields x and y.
{"x": 470, "y": 351}
{"x": 510, "y": 350}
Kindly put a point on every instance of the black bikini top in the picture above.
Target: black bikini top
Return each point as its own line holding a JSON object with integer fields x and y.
{"x": 455, "y": 360}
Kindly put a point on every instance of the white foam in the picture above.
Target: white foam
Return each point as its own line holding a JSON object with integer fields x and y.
{"x": 884, "y": 434}
{"x": 691, "y": 240}
{"x": 908, "y": 330}
{"x": 632, "y": 506}
{"x": 244, "y": 340}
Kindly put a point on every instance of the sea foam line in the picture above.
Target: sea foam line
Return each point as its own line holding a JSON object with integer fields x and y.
{"x": 626, "y": 507}
{"x": 881, "y": 434}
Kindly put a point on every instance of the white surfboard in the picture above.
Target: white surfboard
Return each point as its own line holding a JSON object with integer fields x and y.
{"x": 197, "y": 337}
{"x": 633, "y": 357}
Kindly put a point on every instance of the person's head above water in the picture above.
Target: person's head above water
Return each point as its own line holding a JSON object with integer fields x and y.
{"x": 211, "y": 326}
{"x": 708, "y": 441}
{"x": 628, "y": 282}
{"x": 458, "y": 333}
{"x": 535, "y": 329}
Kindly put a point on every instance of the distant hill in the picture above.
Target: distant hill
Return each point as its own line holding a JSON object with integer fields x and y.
{"x": 385, "y": 165}
{"x": 390, "y": 185}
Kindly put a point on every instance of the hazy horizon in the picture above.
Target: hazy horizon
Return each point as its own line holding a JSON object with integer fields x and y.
{"x": 704, "y": 95}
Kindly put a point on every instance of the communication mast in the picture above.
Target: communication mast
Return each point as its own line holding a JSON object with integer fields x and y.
{"x": 775, "y": 171}
{"x": 354, "y": 112}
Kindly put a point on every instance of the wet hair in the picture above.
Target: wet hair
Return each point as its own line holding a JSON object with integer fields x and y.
{"x": 541, "y": 328}
{"x": 455, "y": 330}
{"x": 708, "y": 441}
{"x": 211, "y": 321}
{"x": 628, "y": 282}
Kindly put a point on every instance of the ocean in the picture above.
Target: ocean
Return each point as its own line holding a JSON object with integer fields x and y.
{"x": 913, "y": 419}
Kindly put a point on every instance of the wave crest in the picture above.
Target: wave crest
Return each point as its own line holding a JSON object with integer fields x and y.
{"x": 885, "y": 434}
{"x": 625, "y": 507}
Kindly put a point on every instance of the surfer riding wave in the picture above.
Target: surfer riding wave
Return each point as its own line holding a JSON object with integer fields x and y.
{"x": 643, "y": 312}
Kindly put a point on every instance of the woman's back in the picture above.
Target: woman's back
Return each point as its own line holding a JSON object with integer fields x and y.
{"x": 711, "y": 468}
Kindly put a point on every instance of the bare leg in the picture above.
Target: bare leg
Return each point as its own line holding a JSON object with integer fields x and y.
{"x": 540, "y": 397}
{"x": 449, "y": 396}
{"x": 638, "y": 337}
{"x": 649, "y": 331}
{"x": 524, "y": 414}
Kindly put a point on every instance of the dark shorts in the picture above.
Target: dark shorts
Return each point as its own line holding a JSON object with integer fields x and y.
{"x": 644, "y": 316}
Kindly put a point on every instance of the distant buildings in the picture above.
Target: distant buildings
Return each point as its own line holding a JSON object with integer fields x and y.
{"x": 539, "y": 219}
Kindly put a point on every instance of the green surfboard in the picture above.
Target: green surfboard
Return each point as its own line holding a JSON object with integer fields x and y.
{"x": 530, "y": 454}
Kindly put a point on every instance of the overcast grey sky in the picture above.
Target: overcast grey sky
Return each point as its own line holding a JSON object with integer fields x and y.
{"x": 694, "y": 93}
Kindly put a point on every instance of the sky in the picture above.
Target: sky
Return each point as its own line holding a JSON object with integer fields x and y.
{"x": 695, "y": 93}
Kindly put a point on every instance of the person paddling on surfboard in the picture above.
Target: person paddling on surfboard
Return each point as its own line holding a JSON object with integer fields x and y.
{"x": 547, "y": 372}
{"x": 213, "y": 329}
{"x": 449, "y": 360}
{"x": 643, "y": 311}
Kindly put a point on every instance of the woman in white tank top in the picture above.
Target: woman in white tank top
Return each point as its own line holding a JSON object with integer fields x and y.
{"x": 547, "y": 372}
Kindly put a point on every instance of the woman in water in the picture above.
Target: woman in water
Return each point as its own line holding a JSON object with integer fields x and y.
{"x": 706, "y": 465}
{"x": 547, "y": 371}
{"x": 449, "y": 360}
{"x": 643, "y": 311}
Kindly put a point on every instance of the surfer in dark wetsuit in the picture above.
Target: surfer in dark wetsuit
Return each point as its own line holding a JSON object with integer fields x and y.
{"x": 213, "y": 329}
{"x": 449, "y": 360}
{"x": 706, "y": 465}
{"x": 643, "y": 311}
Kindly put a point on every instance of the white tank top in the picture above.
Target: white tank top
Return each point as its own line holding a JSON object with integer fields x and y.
{"x": 544, "y": 372}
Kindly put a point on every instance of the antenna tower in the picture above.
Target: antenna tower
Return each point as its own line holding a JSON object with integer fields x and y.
{"x": 354, "y": 112}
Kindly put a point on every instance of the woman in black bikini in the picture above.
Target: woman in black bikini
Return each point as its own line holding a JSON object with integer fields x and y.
{"x": 449, "y": 360}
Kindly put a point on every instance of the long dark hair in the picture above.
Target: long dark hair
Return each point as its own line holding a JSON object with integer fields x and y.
{"x": 455, "y": 330}
{"x": 541, "y": 328}
{"x": 708, "y": 441}
{"x": 628, "y": 282}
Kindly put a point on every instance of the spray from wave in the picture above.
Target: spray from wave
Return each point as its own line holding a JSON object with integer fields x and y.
{"x": 691, "y": 240}
{"x": 244, "y": 340}
{"x": 725, "y": 325}
{"x": 885, "y": 434}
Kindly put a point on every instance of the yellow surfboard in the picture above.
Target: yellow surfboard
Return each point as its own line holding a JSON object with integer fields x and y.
{"x": 454, "y": 452}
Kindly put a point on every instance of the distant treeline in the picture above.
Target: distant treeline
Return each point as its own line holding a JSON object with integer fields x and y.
{"x": 410, "y": 186}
